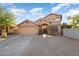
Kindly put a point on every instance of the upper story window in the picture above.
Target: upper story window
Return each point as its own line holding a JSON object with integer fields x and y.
{"x": 57, "y": 19}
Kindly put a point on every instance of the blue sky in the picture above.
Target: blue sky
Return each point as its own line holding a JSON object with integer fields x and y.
{"x": 35, "y": 11}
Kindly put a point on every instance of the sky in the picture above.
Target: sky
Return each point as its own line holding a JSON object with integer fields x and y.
{"x": 35, "y": 11}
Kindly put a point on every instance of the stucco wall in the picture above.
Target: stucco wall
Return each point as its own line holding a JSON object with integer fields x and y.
{"x": 28, "y": 28}
{"x": 72, "y": 33}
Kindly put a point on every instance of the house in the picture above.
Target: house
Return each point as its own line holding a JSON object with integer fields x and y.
{"x": 8, "y": 29}
{"x": 41, "y": 25}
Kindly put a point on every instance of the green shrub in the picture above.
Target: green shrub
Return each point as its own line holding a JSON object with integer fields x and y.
{"x": 64, "y": 25}
{"x": 4, "y": 34}
{"x": 52, "y": 28}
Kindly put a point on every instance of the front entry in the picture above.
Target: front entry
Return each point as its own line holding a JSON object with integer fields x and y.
{"x": 43, "y": 29}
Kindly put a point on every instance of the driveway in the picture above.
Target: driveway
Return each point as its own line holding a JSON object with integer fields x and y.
{"x": 37, "y": 46}
{"x": 14, "y": 46}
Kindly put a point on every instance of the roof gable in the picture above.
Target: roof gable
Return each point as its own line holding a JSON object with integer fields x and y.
{"x": 40, "y": 21}
{"x": 27, "y": 23}
{"x": 50, "y": 17}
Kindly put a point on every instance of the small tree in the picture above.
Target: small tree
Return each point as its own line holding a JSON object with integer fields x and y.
{"x": 7, "y": 19}
{"x": 74, "y": 21}
{"x": 65, "y": 25}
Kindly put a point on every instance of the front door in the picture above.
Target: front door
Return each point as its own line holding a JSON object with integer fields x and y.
{"x": 45, "y": 31}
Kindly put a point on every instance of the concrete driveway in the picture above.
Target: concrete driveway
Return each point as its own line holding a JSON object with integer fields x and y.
{"x": 37, "y": 46}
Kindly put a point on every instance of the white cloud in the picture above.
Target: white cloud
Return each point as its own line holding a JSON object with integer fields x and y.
{"x": 59, "y": 6}
{"x": 72, "y": 12}
{"x": 35, "y": 10}
{"x": 33, "y": 14}
{"x": 36, "y": 13}
{"x": 34, "y": 18}
{"x": 18, "y": 12}
{"x": 7, "y": 4}
{"x": 68, "y": 6}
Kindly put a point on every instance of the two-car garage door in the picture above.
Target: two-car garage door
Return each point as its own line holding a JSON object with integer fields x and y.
{"x": 29, "y": 30}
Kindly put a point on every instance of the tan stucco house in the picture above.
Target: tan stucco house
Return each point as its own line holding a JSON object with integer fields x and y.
{"x": 41, "y": 25}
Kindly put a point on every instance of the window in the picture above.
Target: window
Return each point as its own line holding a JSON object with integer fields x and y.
{"x": 50, "y": 22}
{"x": 58, "y": 19}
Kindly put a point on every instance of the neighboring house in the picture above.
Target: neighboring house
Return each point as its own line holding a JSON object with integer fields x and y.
{"x": 40, "y": 26}
{"x": 9, "y": 30}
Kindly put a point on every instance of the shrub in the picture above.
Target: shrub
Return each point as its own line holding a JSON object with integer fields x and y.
{"x": 64, "y": 25}
{"x": 52, "y": 28}
{"x": 4, "y": 34}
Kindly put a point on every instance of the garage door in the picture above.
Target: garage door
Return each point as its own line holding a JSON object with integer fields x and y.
{"x": 29, "y": 31}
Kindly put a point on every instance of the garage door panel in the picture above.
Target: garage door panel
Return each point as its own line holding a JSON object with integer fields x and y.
{"x": 29, "y": 30}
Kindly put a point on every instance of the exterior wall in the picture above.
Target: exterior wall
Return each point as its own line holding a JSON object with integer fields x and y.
{"x": 59, "y": 29}
{"x": 41, "y": 22}
{"x": 28, "y": 28}
{"x": 53, "y": 18}
{"x": 72, "y": 33}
